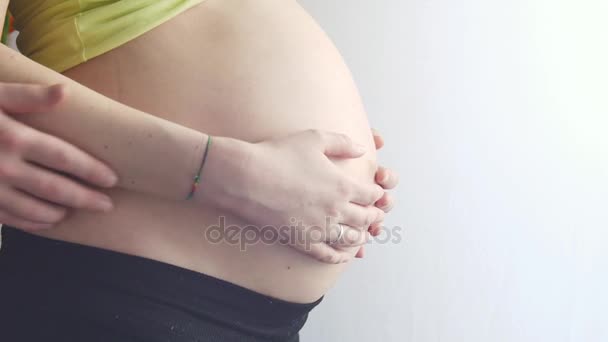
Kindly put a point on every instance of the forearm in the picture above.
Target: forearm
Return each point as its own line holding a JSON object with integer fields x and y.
{"x": 149, "y": 154}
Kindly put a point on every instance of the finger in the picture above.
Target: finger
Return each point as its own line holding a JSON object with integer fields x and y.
{"x": 386, "y": 178}
{"x": 366, "y": 194}
{"x": 385, "y": 203}
{"x": 16, "y": 98}
{"x": 21, "y": 223}
{"x": 312, "y": 243}
{"x": 378, "y": 140}
{"x": 325, "y": 253}
{"x": 360, "y": 217}
{"x": 56, "y": 188}
{"x": 30, "y": 208}
{"x": 376, "y": 229}
{"x": 351, "y": 238}
{"x": 58, "y": 155}
{"x": 339, "y": 145}
{"x": 360, "y": 253}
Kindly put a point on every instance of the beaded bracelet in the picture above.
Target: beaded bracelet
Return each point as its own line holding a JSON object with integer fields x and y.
{"x": 197, "y": 178}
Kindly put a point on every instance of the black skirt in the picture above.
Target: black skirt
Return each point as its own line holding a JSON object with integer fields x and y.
{"x": 59, "y": 291}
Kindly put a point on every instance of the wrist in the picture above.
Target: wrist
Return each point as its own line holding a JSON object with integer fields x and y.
{"x": 225, "y": 165}
{"x": 196, "y": 179}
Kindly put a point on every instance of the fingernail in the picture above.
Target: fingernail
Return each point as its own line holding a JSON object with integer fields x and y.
{"x": 104, "y": 204}
{"x": 111, "y": 179}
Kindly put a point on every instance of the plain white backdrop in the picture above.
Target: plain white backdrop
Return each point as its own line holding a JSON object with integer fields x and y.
{"x": 496, "y": 116}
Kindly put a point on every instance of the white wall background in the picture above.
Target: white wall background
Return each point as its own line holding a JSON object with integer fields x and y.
{"x": 496, "y": 116}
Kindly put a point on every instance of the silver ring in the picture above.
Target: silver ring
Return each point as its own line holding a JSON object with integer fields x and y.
{"x": 340, "y": 235}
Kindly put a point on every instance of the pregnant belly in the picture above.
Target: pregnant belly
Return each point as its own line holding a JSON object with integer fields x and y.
{"x": 245, "y": 69}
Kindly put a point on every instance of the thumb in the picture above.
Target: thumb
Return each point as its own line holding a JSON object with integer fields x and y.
{"x": 17, "y": 98}
{"x": 339, "y": 145}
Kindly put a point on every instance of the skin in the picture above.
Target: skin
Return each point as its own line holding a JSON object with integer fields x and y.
{"x": 27, "y": 154}
{"x": 252, "y": 99}
{"x": 22, "y": 99}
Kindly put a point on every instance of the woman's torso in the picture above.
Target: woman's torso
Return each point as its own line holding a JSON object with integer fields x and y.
{"x": 242, "y": 68}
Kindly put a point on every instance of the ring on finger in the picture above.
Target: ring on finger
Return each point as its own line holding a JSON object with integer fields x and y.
{"x": 340, "y": 234}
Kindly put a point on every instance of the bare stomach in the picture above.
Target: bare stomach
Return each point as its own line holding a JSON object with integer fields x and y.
{"x": 245, "y": 69}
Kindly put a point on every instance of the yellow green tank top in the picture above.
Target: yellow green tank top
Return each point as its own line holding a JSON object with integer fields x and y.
{"x": 61, "y": 34}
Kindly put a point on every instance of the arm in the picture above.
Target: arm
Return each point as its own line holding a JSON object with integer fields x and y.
{"x": 167, "y": 153}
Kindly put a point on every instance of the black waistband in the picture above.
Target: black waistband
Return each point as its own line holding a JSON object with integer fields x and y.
{"x": 120, "y": 291}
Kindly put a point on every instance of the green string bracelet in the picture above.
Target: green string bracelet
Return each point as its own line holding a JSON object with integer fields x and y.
{"x": 197, "y": 178}
{"x": 6, "y": 29}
